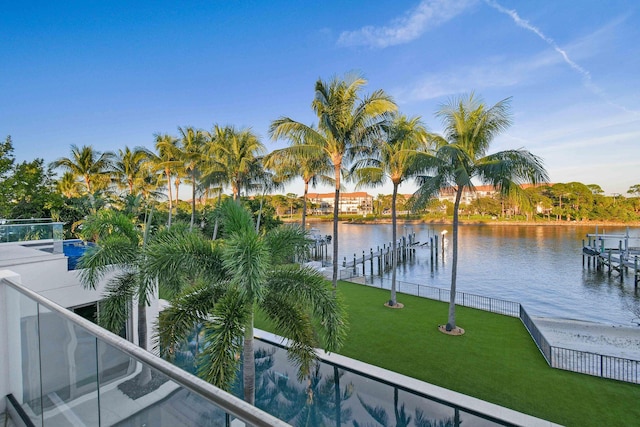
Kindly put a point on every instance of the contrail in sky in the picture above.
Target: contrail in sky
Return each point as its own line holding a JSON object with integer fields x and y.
{"x": 585, "y": 74}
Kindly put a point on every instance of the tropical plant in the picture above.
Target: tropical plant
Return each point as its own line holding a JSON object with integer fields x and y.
{"x": 118, "y": 253}
{"x": 128, "y": 168}
{"x": 461, "y": 157}
{"x": 86, "y": 163}
{"x": 289, "y": 164}
{"x": 192, "y": 156}
{"x": 395, "y": 156}
{"x": 346, "y": 125}
{"x": 167, "y": 160}
{"x": 222, "y": 283}
{"x": 234, "y": 157}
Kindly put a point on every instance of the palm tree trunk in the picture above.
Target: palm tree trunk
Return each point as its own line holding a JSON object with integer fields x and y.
{"x": 145, "y": 374}
{"x": 394, "y": 234}
{"x": 304, "y": 205}
{"x": 249, "y": 364}
{"x": 215, "y": 225}
{"x": 177, "y": 184}
{"x": 451, "y": 323}
{"x": 193, "y": 199}
{"x": 168, "y": 174}
{"x": 336, "y": 201}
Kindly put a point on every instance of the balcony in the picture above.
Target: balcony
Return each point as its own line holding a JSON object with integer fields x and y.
{"x": 58, "y": 369}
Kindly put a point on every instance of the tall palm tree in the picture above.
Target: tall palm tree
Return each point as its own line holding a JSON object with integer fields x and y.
{"x": 86, "y": 163}
{"x": 289, "y": 164}
{"x": 192, "y": 156}
{"x": 396, "y": 156}
{"x": 167, "y": 160}
{"x": 228, "y": 281}
{"x": 128, "y": 168}
{"x": 346, "y": 125}
{"x": 461, "y": 156}
{"x": 234, "y": 156}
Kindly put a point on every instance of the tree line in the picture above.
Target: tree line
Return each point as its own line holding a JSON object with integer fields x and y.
{"x": 362, "y": 138}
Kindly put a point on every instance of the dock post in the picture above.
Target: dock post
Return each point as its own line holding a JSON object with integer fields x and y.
{"x": 354, "y": 264}
{"x": 431, "y": 249}
{"x": 635, "y": 272}
{"x": 583, "y": 253}
{"x": 344, "y": 263}
{"x": 371, "y": 260}
{"x": 364, "y": 273}
{"x": 621, "y": 263}
{"x": 609, "y": 262}
{"x": 379, "y": 261}
{"x": 435, "y": 246}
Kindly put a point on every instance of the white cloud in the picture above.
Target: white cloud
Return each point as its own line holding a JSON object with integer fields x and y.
{"x": 428, "y": 14}
{"x": 495, "y": 72}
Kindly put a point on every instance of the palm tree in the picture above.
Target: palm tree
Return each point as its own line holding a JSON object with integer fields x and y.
{"x": 86, "y": 163}
{"x": 232, "y": 278}
{"x": 461, "y": 157}
{"x": 312, "y": 169}
{"x": 68, "y": 185}
{"x": 118, "y": 250}
{"x": 396, "y": 156}
{"x": 234, "y": 156}
{"x": 167, "y": 160}
{"x": 346, "y": 124}
{"x": 128, "y": 168}
{"x": 192, "y": 156}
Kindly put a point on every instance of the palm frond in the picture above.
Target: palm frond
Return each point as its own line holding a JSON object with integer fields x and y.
{"x": 118, "y": 293}
{"x": 218, "y": 362}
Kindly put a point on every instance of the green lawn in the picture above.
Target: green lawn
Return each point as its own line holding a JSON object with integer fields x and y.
{"x": 496, "y": 360}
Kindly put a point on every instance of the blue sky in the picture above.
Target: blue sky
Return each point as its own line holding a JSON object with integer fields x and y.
{"x": 110, "y": 74}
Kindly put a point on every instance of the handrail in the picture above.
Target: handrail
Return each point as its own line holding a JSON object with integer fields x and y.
{"x": 219, "y": 397}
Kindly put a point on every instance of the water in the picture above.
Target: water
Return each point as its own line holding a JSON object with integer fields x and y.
{"x": 537, "y": 266}
{"x": 334, "y": 395}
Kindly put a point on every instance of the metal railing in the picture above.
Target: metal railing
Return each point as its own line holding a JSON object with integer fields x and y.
{"x": 600, "y": 365}
{"x": 62, "y": 388}
{"x": 493, "y": 305}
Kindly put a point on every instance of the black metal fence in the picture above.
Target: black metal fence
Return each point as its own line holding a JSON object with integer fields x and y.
{"x": 598, "y": 365}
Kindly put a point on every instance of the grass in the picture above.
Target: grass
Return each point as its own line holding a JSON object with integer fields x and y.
{"x": 496, "y": 360}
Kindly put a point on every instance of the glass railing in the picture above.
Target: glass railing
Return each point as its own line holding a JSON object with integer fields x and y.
{"x": 65, "y": 370}
{"x": 22, "y": 230}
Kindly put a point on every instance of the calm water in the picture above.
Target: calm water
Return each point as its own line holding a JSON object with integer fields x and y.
{"x": 537, "y": 266}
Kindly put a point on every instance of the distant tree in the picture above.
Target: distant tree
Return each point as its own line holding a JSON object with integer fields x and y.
{"x": 595, "y": 189}
{"x": 634, "y": 190}
{"x": 313, "y": 168}
{"x": 87, "y": 163}
{"x": 7, "y": 160}
{"x": 33, "y": 189}
{"x": 129, "y": 169}
{"x": 167, "y": 160}
{"x": 192, "y": 156}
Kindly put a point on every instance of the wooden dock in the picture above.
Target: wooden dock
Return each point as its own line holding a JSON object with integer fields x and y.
{"x": 616, "y": 252}
{"x": 380, "y": 260}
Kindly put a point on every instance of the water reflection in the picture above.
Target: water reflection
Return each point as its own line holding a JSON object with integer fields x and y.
{"x": 333, "y": 396}
{"x": 538, "y": 266}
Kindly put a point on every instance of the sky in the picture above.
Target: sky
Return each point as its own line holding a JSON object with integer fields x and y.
{"x": 112, "y": 74}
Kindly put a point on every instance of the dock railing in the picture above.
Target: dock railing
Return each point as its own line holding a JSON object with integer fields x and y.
{"x": 599, "y": 365}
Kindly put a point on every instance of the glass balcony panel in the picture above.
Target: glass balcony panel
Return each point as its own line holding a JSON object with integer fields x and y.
{"x": 69, "y": 372}
{"x": 137, "y": 395}
{"x": 24, "y": 353}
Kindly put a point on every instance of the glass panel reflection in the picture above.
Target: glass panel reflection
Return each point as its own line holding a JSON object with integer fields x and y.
{"x": 139, "y": 395}
{"x": 69, "y": 372}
